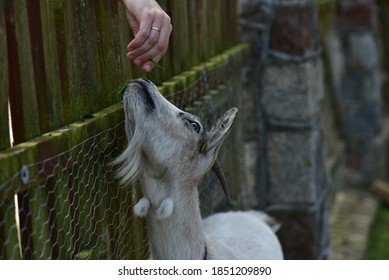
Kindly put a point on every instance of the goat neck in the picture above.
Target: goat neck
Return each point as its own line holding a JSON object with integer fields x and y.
{"x": 181, "y": 235}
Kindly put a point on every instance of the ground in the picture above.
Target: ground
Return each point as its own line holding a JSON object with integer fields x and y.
{"x": 359, "y": 226}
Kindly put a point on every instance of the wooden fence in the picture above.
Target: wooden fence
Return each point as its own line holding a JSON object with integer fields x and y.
{"x": 62, "y": 64}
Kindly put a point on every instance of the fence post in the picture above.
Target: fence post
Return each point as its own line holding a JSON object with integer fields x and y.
{"x": 287, "y": 79}
{"x": 4, "y": 127}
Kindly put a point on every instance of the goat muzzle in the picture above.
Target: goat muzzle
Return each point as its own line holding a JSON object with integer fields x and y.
{"x": 217, "y": 168}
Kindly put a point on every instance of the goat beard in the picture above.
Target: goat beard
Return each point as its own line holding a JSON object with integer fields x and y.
{"x": 130, "y": 160}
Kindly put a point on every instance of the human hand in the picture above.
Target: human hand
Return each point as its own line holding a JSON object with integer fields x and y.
{"x": 151, "y": 27}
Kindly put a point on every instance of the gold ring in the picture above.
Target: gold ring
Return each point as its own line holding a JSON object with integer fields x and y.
{"x": 155, "y": 28}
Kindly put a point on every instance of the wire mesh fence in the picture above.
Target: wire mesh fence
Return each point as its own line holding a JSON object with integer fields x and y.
{"x": 69, "y": 205}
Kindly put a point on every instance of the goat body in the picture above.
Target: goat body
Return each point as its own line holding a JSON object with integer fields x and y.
{"x": 169, "y": 151}
{"x": 246, "y": 234}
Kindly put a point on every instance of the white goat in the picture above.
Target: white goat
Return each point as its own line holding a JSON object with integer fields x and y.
{"x": 169, "y": 151}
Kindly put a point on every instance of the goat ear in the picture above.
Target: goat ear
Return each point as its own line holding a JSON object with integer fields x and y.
{"x": 219, "y": 131}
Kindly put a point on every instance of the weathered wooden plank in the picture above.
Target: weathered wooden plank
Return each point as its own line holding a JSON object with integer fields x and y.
{"x": 91, "y": 44}
{"x": 99, "y": 215}
{"x": 9, "y": 242}
{"x": 208, "y": 29}
{"x": 184, "y": 31}
{"x": 37, "y": 52}
{"x": 4, "y": 127}
{"x": 222, "y": 23}
{"x": 74, "y": 232}
{"x": 22, "y": 92}
{"x": 231, "y": 33}
{"x": 70, "y": 60}
{"x": 202, "y": 23}
{"x": 140, "y": 246}
{"x": 125, "y": 36}
{"x": 51, "y": 66}
{"x": 92, "y": 222}
{"x": 212, "y": 18}
{"x": 61, "y": 60}
{"x": 39, "y": 223}
{"x": 120, "y": 231}
{"x": 192, "y": 34}
{"x": 81, "y": 204}
{"x": 179, "y": 47}
{"x": 97, "y": 211}
{"x": 128, "y": 241}
{"x": 111, "y": 217}
{"x": 78, "y": 59}
{"x": 63, "y": 220}
{"x": 59, "y": 218}
{"x": 109, "y": 49}
{"x": 25, "y": 221}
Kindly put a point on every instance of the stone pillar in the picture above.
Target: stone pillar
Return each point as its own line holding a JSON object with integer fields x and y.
{"x": 287, "y": 77}
{"x": 359, "y": 96}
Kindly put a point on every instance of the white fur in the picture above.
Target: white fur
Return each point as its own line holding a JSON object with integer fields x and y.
{"x": 163, "y": 137}
{"x": 165, "y": 209}
{"x": 248, "y": 226}
{"x": 142, "y": 207}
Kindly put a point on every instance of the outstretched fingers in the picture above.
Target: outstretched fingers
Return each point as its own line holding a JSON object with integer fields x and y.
{"x": 151, "y": 41}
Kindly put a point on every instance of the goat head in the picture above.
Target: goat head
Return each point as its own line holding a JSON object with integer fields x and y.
{"x": 167, "y": 143}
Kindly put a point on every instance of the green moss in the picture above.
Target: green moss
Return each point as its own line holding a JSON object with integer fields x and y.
{"x": 378, "y": 248}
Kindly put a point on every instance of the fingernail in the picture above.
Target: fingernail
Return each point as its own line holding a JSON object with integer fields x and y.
{"x": 138, "y": 61}
{"x": 147, "y": 67}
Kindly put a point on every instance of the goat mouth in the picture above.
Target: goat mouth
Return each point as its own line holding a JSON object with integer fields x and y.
{"x": 142, "y": 88}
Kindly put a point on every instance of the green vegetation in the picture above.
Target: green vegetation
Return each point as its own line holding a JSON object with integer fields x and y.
{"x": 378, "y": 246}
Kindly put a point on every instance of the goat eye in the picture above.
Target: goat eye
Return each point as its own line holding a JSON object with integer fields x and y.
{"x": 195, "y": 126}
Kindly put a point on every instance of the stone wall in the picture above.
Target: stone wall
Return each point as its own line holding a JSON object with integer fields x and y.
{"x": 359, "y": 91}
{"x": 286, "y": 75}
{"x": 314, "y": 111}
